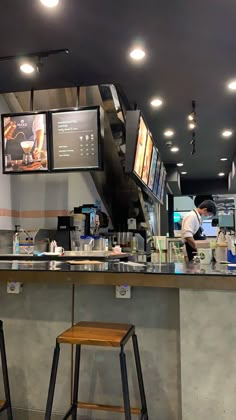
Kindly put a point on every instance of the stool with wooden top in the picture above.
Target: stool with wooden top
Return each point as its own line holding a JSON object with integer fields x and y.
{"x": 5, "y": 405}
{"x": 99, "y": 334}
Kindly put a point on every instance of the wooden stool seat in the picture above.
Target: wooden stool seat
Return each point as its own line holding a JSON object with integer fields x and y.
{"x": 105, "y": 335}
{"x": 2, "y": 403}
{"x": 97, "y": 334}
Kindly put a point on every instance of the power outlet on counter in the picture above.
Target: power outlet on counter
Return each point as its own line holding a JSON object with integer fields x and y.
{"x": 123, "y": 292}
{"x": 14, "y": 287}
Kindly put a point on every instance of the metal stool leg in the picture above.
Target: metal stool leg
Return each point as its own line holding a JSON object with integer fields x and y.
{"x": 52, "y": 382}
{"x": 5, "y": 374}
{"x": 140, "y": 377}
{"x": 125, "y": 385}
{"x": 76, "y": 382}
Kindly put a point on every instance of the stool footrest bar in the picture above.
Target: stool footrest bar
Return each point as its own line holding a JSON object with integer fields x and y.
{"x": 103, "y": 407}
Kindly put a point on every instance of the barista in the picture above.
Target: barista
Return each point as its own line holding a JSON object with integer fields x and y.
{"x": 23, "y": 128}
{"x": 191, "y": 226}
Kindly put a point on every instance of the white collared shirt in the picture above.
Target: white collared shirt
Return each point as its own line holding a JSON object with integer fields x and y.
{"x": 190, "y": 224}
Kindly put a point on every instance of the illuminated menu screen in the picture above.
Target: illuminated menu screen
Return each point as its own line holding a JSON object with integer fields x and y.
{"x": 163, "y": 184}
{"x": 140, "y": 148}
{"x": 152, "y": 169}
{"x": 75, "y": 140}
{"x": 160, "y": 182}
{"x": 157, "y": 176}
{"x": 147, "y": 159}
{"x": 24, "y": 143}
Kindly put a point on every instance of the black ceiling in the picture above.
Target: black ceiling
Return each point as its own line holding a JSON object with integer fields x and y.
{"x": 190, "y": 47}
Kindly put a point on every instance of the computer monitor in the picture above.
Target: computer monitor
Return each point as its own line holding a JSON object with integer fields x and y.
{"x": 209, "y": 230}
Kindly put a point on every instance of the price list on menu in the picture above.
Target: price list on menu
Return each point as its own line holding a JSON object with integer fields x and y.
{"x": 75, "y": 139}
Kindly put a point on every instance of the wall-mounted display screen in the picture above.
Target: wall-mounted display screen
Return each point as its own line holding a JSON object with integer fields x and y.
{"x": 147, "y": 159}
{"x": 76, "y": 139}
{"x": 163, "y": 184}
{"x": 158, "y": 193}
{"x": 24, "y": 142}
{"x": 152, "y": 169}
{"x": 142, "y": 158}
{"x": 140, "y": 148}
{"x": 157, "y": 176}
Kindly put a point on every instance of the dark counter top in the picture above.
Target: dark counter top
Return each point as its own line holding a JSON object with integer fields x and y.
{"x": 171, "y": 275}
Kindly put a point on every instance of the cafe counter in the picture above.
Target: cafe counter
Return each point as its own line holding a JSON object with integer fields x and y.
{"x": 185, "y": 316}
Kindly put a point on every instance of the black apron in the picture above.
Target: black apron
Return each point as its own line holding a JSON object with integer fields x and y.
{"x": 198, "y": 236}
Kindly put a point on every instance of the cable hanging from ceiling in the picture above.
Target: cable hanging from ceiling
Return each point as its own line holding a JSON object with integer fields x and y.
{"x": 192, "y": 126}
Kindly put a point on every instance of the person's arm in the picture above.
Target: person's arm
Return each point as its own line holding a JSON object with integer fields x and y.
{"x": 38, "y": 128}
{"x": 191, "y": 242}
{"x": 188, "y": 229}
{"x": 39, "y": 139}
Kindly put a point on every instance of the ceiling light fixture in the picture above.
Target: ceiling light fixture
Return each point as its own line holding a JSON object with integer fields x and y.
{"x": 156, "y": 102}
{"x": 180, "y": 164}
{"x": 28, "y": 63}
{"x": 192, "y": 126}
{"x": 174, "y": 149}
{"x": 27, "y": 68}
{"x": 137, "y": 54}
{"x": 232, "y": 85}
{"x": 223, "y": 159}
{"x": 184, "y": 173}
{"x": 227, "y": 133}
{"x": 50, "y": 3}
{"x": 169, "y": 133}
{"x": 221, "y": 174}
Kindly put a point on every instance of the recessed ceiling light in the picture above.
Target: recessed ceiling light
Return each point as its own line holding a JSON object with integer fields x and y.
{"x": 27, "y": 68}
{"x": 137, "y": 54}
{"x": 227, "y": 133}
{"x": 223, "y": 159}
{"x": 156, "y": 102}
{"x": 50, "y": 3}
{"x": 174, "y": 149}
{"x": 180, "y": 164}
{"x": 169, "y": 133}
{"x": 221, "y": 174}
{"x": 184, "y": 173}
{"x": 232, "y": 85}
{"x": 191, "y": 126}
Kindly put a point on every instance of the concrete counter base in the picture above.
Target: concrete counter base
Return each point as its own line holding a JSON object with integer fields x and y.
{"x": 208, "y": 362}
{"x": 187, "y": 339}
{"x": 33, "y": 319}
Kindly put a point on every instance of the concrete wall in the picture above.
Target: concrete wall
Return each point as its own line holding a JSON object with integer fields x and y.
{"x": 33, "y": 320}
{"x": 208, "y": 362}
{"x": 40, "y": 198}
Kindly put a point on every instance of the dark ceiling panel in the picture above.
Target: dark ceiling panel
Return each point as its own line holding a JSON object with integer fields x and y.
{"x": 190, "y": 55}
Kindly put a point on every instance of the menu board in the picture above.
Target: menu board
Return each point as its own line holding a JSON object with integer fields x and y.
{"x": 157, "y": 176}
{"x": 147, "y": 160}
{"x": 152, "y": 169}
{"x": 160, "y": 181}
{"x": 75, "y": 139}
{"x": 24, "y": 143}
{"x": 140, "y": 148}
{"x": 163, "y": 185}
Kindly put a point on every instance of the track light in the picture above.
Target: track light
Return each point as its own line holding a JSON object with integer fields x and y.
{"x": 191, "y": 117}
{"x": 27, "y": 68}
{"x": 192, "y": 126}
